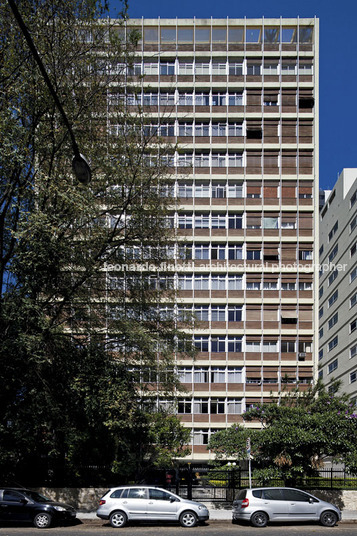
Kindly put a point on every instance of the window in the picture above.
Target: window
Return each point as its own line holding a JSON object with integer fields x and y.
{"x": 234, "y": 313}
{"x": 253, "y": 69}
{"x": 353, "y": 199}
{"x": 288, "y": 346}
{"x": 332, "y": 277}
{"x": 353, "y": 376}
{"x": 333, "y": 298}
{"x": 253, "y": 346}
{"x": 201, "y": 343}
{"x": 200, "y": 406}
{"x": 333, "y": 253}
{"x": 321, "y": 333}
{"x": 353, "y": 274}
{"x": 217, "y": 407}
{"x": 218, "y": 313}
{"x": 270, "y": 100}
{"x": 321, "y": 291}
{"x": 253, "y": 285}
{"x": 353, "y": 325}
{"x": 185, "y": 99}
{"x": 270, "y": 346}
{"x": 253, "y": 254}
{"x": 185, "y": 375}
{"x": 201, "y": 282}
{"x": 353, "y": 249}
{"x": 333, "y": 366}
{"x": 321, "y": 354}
{"x": 288, "y": 69}
{"x": 201, "y": 375}
{"x": 353, "y": 351}
{"x": 184, "y": 406}
{"x": 201, "y": 313}
{"x": 202, "y": 129}
{"x": 235, "y": 282}
{"x": 202, "y": 68}
{"x": 305, "y": 255}
{"x": 167, "y": 68}
{"x": 234, "y": 406}
{"x": 333, "y": 343}
{"x": 218, "y": 344}
{"x": 235, "y": 375}
{"x": 234, "y": 344}
{"x": 270, "y": 68}
{"x": 288, "y": 286}
{"x": 218, "y": 282}
{"x": 235, "y": 99}
{"x": 235, "y": 252}
{"x": 333, "y": 231}
{"x": 353, "y": 224}
{"x": 236, "y": 69}
{"x": 353, "y": 300}
{"x": 306, "y": 285}
{"x": 333, "y": 321}
{"x": 218, "y": 375}
{"x": 321, "y": 312}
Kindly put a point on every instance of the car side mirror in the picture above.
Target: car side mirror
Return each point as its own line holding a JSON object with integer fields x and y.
{"x": 23, "y": 501}
{"x": 311, "y": 500}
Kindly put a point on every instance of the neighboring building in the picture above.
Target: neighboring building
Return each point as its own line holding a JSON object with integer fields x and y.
{"x": 338, "y": 285}
{"x": 239, "y": 97}
{"x": 323, "y": 195}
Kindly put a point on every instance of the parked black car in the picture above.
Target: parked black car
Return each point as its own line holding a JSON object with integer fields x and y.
{"x": 24, "y": 505}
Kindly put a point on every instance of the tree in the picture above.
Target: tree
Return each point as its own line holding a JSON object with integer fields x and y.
{"x": 79, "y": 266}
{"x": 297, "y": 434}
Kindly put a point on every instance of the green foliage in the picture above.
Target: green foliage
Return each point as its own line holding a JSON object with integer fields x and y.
{"x": 78, "y": 318}
{"x": 296, "y": 434}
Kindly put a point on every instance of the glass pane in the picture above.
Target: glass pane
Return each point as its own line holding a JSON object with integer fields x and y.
{"x": 185, "y": 35}
{"x": 288, "y": 35}
{"x": 252, "y": 35}
{"x": 235, "y": 35}
{"x": 150, "y": 35}
{"x": 219, "y": 35}
{"x": 305, "y": 35}
{"x": 168, "y": 35}
{"x": 202, "y": 35}
{"x": 271, "y": 35}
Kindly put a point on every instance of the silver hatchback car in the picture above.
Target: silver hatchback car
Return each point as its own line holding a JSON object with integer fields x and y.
{"x": 148, "y": 503}
{"x": 261, "y": 505}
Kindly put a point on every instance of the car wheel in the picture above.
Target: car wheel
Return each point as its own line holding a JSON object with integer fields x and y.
{"x": 259, "y": 519}
{"x": 188, "y": 519}
{"x": 118, "y": 519}
{"x": 42, "y": 520}
{"x": 328, "y": 519}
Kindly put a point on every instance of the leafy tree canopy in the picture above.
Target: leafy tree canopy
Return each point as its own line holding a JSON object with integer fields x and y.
{"x": 295, "y": 434}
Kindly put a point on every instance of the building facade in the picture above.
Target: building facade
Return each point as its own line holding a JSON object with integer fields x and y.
{"x": 338, "y": 285}
{"x": 239, "y": 97}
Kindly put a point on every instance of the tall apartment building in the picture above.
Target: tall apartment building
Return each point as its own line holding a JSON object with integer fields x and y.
{"x": 240, "y": 98}
{"x": 338, "y": 285}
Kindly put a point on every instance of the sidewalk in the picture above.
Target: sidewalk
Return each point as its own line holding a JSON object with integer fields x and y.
{"x": 348, "y": 516}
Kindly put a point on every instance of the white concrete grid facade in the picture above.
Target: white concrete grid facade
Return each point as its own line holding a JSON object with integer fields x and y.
{"x": 240, "y": 99}
{"x": 338, "y": 285}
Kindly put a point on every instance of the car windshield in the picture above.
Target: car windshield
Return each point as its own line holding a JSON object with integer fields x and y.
{"x": 37, "y": 497}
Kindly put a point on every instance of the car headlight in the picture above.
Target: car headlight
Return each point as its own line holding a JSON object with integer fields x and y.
{"x": 59, "y": 508}
{"x": 202, "y": 507}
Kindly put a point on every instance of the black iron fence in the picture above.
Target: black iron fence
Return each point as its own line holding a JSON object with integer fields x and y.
{"x": 197, "y": 482}
{"x": 221, "y": 485}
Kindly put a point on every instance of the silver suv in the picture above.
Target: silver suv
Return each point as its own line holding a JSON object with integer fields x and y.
{"x": 260, "y": 505}
{"x": 148, "y": 503}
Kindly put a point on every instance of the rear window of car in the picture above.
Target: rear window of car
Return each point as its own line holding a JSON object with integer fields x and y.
{"x": 116, "y": 494}
{"x": 273, "y": 494}
{"x": 257, "y": 493}
{"x": 241, "y": 495}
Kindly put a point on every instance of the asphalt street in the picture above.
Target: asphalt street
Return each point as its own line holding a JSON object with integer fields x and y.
{"x": 213, "y": 528}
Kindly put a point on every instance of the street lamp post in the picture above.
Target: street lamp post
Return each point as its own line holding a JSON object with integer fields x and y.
{"x": 80, "y": 165}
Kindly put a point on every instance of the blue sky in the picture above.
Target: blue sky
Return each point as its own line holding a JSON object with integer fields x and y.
{"x": 338, "y": 61}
